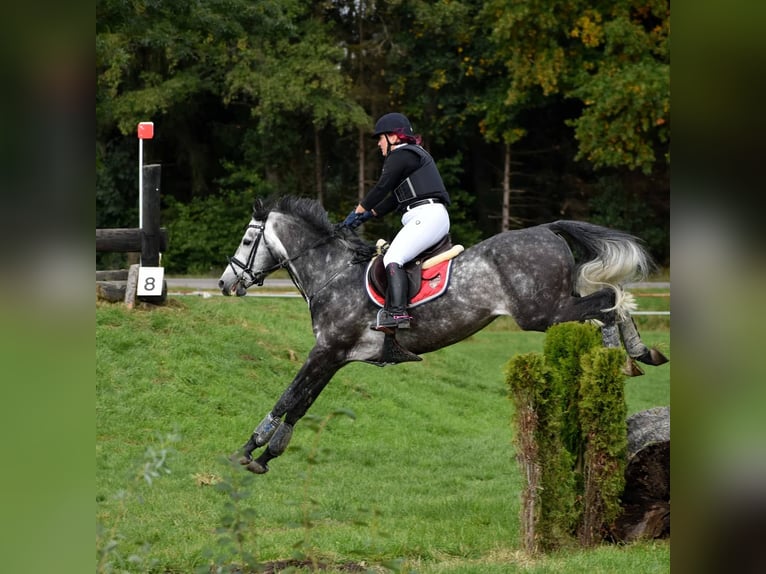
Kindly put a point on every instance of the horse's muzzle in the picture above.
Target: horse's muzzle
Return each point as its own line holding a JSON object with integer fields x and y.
{"x": 224, "y": 288}
{"x": 237, "y": 287}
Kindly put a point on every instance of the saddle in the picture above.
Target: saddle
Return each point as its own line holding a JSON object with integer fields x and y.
{"x": 436, "y": 258}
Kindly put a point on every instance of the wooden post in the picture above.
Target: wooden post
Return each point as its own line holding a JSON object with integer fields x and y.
{"x": 150, "y": 232}
{"x": 130, "y": 287}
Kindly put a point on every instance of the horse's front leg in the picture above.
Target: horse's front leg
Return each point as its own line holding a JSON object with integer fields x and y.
{"x": 260, "y": 437}
{"x": 274, "y": 433}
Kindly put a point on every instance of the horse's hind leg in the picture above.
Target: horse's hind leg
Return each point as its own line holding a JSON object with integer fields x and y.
{"x": 597, "y": 306}
{"x": 635, "y": 346}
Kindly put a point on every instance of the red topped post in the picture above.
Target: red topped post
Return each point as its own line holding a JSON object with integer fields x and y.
{"x": 145, "y": 132}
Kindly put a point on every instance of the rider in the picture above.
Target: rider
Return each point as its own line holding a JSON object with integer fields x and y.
{"x": 409, "y": 183}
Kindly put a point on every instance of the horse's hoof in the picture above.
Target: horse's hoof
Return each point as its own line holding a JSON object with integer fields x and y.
{"x": 257, "y": 468}
{"x": 245, "y": 459}
{"x": 657, "y": 357}
{"x": 631, "y": 369}
{"x": 653, "y": 357}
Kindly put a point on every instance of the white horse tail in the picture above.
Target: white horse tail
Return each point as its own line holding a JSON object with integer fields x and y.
{"x": 605, "y": 258}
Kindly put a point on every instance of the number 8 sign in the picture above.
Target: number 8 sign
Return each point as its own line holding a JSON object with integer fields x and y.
{"x": 150, "y": 280}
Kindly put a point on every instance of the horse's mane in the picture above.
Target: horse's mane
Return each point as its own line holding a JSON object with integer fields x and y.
{"x": 312, "y": 212}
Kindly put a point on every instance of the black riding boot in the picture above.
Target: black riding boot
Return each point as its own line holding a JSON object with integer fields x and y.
{"x": 394, "y": 315}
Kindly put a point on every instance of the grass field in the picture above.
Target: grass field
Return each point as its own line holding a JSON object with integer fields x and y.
{"x": 408, "y": 468}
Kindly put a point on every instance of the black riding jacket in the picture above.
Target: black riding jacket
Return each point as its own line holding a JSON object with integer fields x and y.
{"x": 409, "y": 174}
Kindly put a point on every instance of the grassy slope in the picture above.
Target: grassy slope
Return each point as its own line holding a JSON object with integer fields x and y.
{"x": 425, "y": 472}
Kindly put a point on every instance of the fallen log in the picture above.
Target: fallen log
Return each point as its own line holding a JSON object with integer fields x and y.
{"x": 646, "y": 498}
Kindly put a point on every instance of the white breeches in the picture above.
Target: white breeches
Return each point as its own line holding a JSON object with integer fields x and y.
{"x": 423, "y": 227}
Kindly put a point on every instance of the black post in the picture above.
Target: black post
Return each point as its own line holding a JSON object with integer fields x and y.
{"x": 150, "y": 230}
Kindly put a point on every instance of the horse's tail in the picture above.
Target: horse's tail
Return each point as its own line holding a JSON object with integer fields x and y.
{"x": 605, "y": 258}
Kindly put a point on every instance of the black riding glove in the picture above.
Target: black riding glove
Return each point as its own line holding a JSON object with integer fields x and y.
{"x": 355, "y": 219}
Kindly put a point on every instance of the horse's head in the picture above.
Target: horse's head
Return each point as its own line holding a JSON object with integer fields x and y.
{"x": 287, "y": 234}
{"x": 253, "y": 260}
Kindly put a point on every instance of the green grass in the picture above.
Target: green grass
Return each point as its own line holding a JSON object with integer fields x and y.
{"x": 424, "y": 473}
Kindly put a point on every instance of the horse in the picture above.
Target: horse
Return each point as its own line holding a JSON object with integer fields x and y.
{"x": 540, "y": 276}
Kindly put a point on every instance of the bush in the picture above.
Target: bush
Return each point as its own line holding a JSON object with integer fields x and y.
{"x": 547, "y": 514}
{"x": 571, "y": 436}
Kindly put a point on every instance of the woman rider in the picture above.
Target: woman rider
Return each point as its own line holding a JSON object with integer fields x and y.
{"x": 409, "y": 183}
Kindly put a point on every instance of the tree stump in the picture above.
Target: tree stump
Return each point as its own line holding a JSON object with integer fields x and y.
{"x": 646, "y": 498}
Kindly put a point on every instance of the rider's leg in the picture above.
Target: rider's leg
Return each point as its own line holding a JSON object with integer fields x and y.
{"x": 394, "y": 315}
{"x": 422, "y": 228}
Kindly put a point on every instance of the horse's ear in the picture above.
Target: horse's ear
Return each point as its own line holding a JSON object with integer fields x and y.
{"x": 257, "y": 206}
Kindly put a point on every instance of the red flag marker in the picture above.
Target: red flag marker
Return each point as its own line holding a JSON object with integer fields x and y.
{"x": 145, "y": 130}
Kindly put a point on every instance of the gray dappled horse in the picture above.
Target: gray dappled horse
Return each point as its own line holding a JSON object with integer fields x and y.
{"x": 540, "y": 276}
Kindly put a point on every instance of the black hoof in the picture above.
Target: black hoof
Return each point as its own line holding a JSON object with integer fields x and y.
{"x": 243, "y": 455}
{"x": 257, "y": 468}
{"x": 658, "y": 358}
{"x": 239, "y": 456}
{"x": 653, "y": 357}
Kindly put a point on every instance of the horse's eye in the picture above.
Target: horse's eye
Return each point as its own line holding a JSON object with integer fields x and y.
{"x": 246, "y": 242}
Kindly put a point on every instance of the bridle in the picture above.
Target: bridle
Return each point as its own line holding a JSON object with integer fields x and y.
{"x": 246, "y": 278}
{"x": 247, "y": 266}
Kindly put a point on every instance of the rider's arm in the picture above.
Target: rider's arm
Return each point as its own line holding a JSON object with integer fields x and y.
{"x": 396, "y": 168}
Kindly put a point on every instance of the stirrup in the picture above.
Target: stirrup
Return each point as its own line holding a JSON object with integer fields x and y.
{"x": 386, "y": 321}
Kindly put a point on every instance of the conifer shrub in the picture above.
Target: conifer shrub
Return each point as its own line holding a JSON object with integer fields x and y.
{"x": 570, "y": 436}
{"x": 564, "y": 347}
{"x": 603, "y": 414}
{"x": 547, "y": 510}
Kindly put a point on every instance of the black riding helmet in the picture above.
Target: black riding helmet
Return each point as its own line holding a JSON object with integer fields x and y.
{"x": 393, "y": 122}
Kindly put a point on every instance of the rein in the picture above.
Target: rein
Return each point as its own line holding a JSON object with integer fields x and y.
{"x": 257, "y": 278}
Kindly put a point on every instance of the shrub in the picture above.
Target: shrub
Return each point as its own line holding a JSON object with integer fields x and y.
{"x": 203, "y": 233}
{"x": 571, "y": 436}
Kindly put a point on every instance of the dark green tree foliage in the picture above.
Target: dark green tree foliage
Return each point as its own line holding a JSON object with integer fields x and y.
{"x": 547, "y": 96}
{"x": 571, "y": 436}
{"x": 603, "y": 414}
{"x": 200, "y": 233}
{"x": 548, "y": 501}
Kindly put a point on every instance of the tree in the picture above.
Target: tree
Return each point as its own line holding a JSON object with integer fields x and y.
{"x": 221, "y": 74}
{"x": 610, "y": 56}
{"x": 265, "y": 96}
